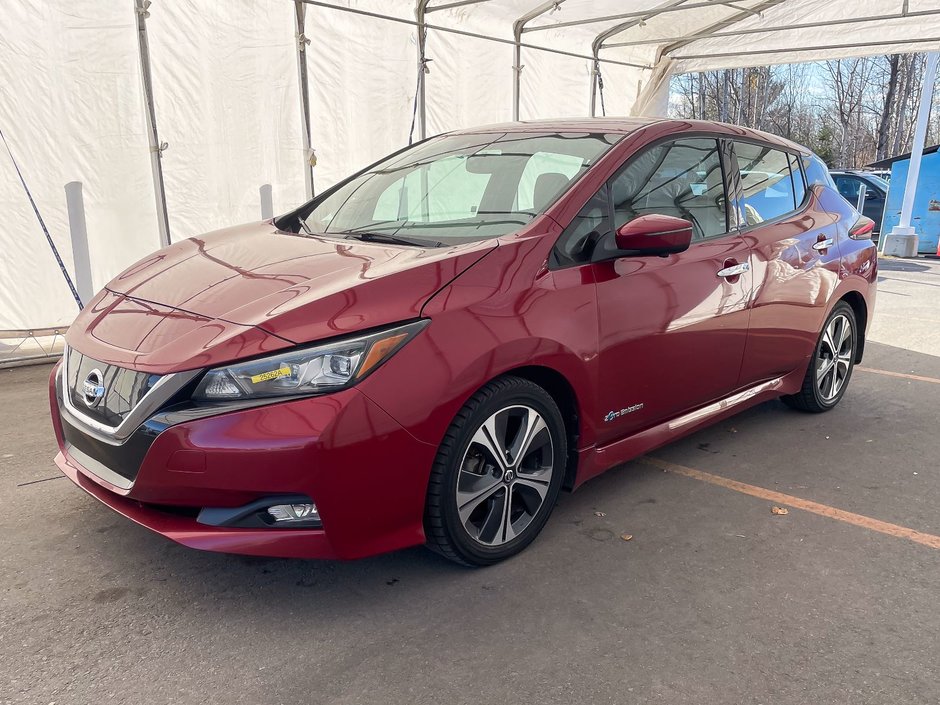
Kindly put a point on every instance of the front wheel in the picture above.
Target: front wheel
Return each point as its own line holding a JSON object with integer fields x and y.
{"x": 830, "y": 370}
{"x": 497, "y": 474}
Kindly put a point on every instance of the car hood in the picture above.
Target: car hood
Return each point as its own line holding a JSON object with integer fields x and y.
{"x": 252, "y": 289}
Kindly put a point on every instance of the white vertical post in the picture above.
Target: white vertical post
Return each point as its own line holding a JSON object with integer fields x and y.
{"x": 862, "y": 195}
{"x": 79, "y": 233}
{"x": 267, "y": 202}
{"x": 902, "y": 240}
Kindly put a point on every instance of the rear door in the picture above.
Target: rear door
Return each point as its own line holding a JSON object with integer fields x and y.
{"x": 794, "y": 259}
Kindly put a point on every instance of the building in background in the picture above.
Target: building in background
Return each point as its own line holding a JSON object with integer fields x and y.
{"x": 926, "y": 216}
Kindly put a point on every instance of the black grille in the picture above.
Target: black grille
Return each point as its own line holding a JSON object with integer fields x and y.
{"x": 123, "y": 388}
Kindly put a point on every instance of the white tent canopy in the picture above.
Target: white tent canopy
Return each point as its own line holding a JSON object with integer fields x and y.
{"x": 226, "y": 98}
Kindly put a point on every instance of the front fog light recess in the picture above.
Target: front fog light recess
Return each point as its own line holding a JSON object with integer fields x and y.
{"x": 288, "y": 513}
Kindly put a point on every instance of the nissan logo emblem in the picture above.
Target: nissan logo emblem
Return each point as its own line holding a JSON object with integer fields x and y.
{"x": 92, "y": 389}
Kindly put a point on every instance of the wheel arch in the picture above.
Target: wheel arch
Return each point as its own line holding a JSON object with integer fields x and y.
{"x": 562, "y": 391}
{"x": 860, "y": 308}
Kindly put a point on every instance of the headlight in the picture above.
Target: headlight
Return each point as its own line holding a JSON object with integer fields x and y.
{"x": 324, "y": 368}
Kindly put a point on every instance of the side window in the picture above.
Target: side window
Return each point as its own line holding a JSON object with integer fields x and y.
{"x": 592, "y": 222}
{"x": 799, "y": 186}
{"x": 765, "y": 182}
{"x": 544, "y": 177}
{"x": 816, "y": 172}
{"x": 848, "y": 188}
{"x": 681, "y": 178}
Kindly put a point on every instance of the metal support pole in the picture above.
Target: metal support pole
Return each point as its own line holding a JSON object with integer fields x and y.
{"x": 80, "y": 256}
{"x": 902, "y": 241}
{"x": 518, "y": 28}
{"x": 267, "y": 202}
{"x": 156, "y": 146}
{"x": 420, "y": 10}
{"x": 862, "y": 195}
{"x": 516, "y": 70}
{"x": 300, "y": 10}
{"x": 595, "y": 72}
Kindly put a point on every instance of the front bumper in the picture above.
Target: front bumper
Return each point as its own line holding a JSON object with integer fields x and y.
{"x": 367, "y": 475}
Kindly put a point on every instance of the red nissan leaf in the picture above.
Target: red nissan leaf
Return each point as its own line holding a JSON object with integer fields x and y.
{"x": 430, "y": 351}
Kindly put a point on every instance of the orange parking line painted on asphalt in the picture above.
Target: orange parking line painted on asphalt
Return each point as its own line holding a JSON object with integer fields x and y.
{"x": 883, "y": 527}
{"x": 902, "y": 375}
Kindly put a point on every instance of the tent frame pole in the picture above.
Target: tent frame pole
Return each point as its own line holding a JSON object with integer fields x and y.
{"x": 819, "y": 47}
{"x": 300, "y": 17}
{"x": 156, "y": 147}
{"x": 421, "y": 9}
{"x": 705, "y": 34}
{"x": 518, "y": 27}
{"x": 599, "y": 40}
{"x": 636, "y": 14}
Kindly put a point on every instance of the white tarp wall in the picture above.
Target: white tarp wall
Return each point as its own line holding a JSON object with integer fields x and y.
{"x": 71, "y": 109}
{"x": 227, "y": 101}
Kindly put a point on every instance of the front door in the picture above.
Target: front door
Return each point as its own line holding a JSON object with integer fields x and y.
{"x": 672, "y": 329}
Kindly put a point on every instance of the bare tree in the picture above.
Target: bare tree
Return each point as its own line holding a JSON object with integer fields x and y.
{"x": 851, "y": 111}
{"x": 884, "y": 124}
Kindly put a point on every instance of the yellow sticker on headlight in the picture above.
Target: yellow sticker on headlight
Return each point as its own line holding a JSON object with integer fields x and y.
{"x": 273, "y": 374}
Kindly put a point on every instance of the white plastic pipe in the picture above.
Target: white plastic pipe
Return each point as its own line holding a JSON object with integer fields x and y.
{"x": 267, "y": 202}
{"x": 79, "y": 233}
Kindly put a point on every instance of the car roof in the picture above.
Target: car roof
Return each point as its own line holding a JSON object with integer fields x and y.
{"x": 626, "y": 125}
{"x": 854, "y": 172}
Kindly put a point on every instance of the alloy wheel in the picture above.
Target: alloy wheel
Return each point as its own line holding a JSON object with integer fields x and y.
{"x": 834, "y": 357}
{"x": 505, "y": 475}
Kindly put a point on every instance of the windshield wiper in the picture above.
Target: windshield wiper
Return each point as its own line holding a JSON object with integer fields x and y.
{"x": 305, "y": 227}
{"x": 391, "y": 239}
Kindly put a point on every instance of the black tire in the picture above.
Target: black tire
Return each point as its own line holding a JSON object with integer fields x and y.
{"x": 811, "y": 397}
{"x": 507, "y": 398}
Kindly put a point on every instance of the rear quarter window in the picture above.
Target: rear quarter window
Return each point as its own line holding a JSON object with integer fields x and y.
{"x": 816, "y": 171}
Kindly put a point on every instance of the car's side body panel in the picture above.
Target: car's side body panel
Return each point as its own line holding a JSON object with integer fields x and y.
{"x": 793, "y": 285}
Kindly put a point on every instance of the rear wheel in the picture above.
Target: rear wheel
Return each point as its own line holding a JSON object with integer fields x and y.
{"x": 830, "y": 370}
{"x": 497, "y": 474}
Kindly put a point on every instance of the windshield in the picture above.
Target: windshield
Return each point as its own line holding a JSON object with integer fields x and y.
{"x": 879, "y": 182}
{"x": 457, "y": 188}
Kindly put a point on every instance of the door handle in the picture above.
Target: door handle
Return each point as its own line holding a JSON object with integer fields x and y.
{"x": 735, "y": 270}
{"x": 823, "y": 245}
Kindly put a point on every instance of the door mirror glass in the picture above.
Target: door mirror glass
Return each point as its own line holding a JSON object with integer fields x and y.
{"x": 654, "y": 234}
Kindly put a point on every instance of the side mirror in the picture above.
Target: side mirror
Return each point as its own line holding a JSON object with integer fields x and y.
{"x": 654, "y": 234}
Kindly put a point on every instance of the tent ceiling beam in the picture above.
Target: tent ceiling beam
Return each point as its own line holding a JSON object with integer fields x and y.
{"x": 451, "y": 5}
{"x": 466, "y": 33}
{"x": 775, "y": 28}
{"x": 874, "y": 46}
{"x": 599, "y": 40}
{"x": 706, "y": 32}
{"x": 652, "y": 12}
{"x": 518, "y": 27}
